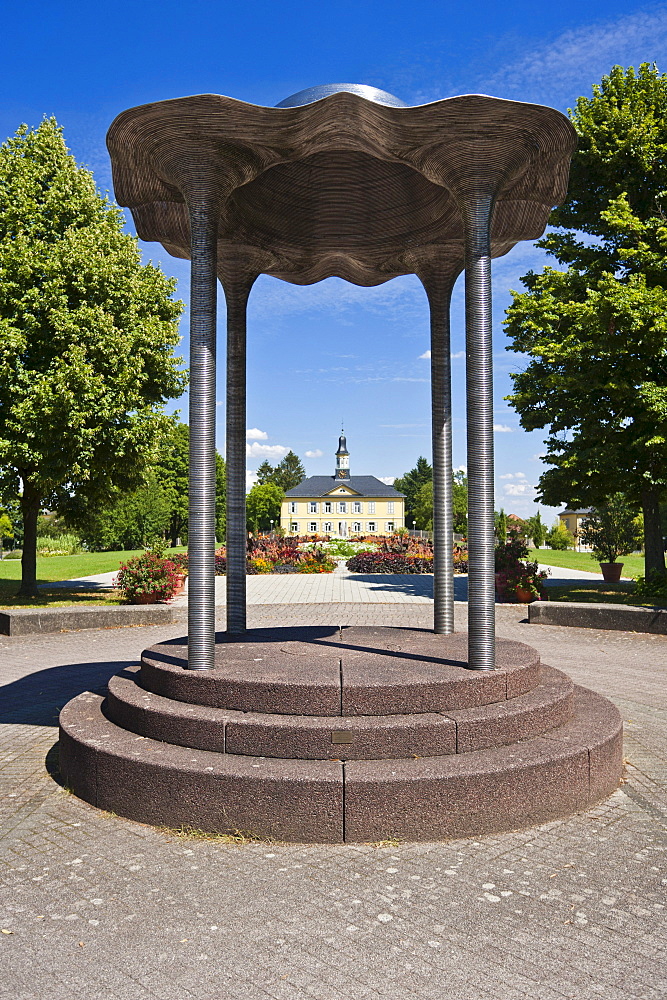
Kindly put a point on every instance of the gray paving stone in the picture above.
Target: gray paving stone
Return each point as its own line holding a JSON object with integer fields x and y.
{"x": 574, "y": 908}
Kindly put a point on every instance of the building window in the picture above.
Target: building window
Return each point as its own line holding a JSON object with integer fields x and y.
{"x": 356, "y": 507}
{"x": 292, "y": 507}
{"x": 328, "y": 527}
{"x": 342, "y": 507}
{"x": 389, "y": 526}
{"x": 312, "y": 507}
{"x": 313, "y": 526}
{"x": 390, "y": 506}
{"x": 327, "y": 507}
{"x": 371, "y": 525}
{"x": 371, "y": 509}
{"x": 356, "y": 527}
{"x": 294, "y": 527}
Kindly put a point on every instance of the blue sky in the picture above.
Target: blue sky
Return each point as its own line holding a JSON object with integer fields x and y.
{"x": 330, "y": 351}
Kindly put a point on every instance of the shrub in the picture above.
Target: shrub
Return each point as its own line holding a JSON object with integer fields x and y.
{"x": 389, "y": 562}
{"x": 514, "y": 572}
{"x": 612, "y": 530}
{"x": 60, "y": 545}
{"x": 653, "y": 589}
{"x": 146, "y": 574}
{"x": 559, "y": 538}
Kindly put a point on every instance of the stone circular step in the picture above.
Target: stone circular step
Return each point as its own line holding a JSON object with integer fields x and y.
{"x": 343, "y": 738}
{"x": 350, "y": 671}
{"x": 508, "y": 787}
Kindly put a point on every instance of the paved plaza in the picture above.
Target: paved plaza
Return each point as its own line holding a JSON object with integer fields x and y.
{"x": 107, "y": 909}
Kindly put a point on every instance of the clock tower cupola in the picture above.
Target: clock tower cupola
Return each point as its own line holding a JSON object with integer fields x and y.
{"x": 342, "y": 458}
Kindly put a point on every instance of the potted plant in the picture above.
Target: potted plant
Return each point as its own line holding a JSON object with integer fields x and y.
{"x": 148, "y": 578}
{"x": 612, "y": 530}
{"x": 518, "y": 579}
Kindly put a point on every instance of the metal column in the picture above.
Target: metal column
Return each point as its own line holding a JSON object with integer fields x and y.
{"x": 439, "y": 291}
{"x": 201, "y": 517}
{"x": 479, "y": 388}
{"x": 236, "y": 292}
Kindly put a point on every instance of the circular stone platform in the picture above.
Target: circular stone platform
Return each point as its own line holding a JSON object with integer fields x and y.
{"x": 342, "y": 734}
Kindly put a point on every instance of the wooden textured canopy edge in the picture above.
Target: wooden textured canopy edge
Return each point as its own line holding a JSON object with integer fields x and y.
{"x": 342, "y": 186}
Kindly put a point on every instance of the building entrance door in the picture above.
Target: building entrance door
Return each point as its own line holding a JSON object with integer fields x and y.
{"x": 342, "y": 529}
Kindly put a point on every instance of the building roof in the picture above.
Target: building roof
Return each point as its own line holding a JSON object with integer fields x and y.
{"x": 579, "y": 510}
{"x": 363, "y": 486}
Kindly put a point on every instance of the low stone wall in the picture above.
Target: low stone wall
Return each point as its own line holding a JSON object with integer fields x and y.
{"x": 26, "y": 621}
{"x": 620, "y": 617}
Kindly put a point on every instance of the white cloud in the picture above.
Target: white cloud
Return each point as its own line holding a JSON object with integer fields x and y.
{"x": 513, "y": 475}
{"x": 387, "y": 480}
{"x": 316, "y": 453}
{"x": 426, "y": 355}
{"x": 254, "y": 434}
{"x": 265, "y": 450}
{"x": 250, "y": 480}
{"x": 458, "y": 354}
{"x": 502, "y": 429}
{"x": 518, "y": 489}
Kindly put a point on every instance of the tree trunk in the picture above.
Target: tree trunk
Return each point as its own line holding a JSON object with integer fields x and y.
{"x": 30, "y": 510}
{"x": 653, "y": 544}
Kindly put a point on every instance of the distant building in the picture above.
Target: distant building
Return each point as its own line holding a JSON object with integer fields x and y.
{"x": 342, "y": 504}
{"x": 572, "y": 519}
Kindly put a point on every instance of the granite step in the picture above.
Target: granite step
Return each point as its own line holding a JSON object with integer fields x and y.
{"x": 422, "y": 798}
{"x": 426, "y": 734}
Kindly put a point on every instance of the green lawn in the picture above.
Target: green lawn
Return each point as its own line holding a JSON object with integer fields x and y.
{"x": 585, "y": 592}
{"x": 569, "y": 559}
{"x": 56, "y": 568}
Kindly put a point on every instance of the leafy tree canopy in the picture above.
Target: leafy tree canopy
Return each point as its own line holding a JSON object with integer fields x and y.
{"x": 410, "y": 483}
{"x": 86, "y": 336}
{"x": 289, "y": 472}
{"x": 596, "y": 334}
{"x": 263, "y": 506}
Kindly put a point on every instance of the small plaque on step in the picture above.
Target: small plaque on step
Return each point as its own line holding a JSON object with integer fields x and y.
{"x": 342, "y": 737}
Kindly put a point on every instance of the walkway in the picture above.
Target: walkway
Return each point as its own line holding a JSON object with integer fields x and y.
{"x": 107, "y": 909}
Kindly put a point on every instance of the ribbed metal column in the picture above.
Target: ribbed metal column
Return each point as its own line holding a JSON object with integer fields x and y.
{"x": 479, "y": 387}
{"x": 439, "y": 291}
{"x": 236, "y": 293}
{"x": 201, "y": 517}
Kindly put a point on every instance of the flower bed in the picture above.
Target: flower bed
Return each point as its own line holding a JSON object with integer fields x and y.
{"x": 402, "y": 554}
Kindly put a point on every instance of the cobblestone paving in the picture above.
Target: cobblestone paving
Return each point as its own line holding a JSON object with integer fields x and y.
{"x": 107, "y": 909}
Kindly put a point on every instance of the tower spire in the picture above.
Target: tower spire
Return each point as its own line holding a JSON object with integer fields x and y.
{"x": 342, "y": 457}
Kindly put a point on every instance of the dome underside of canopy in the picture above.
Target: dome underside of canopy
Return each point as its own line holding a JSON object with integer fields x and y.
{"x": 341, "y": 187}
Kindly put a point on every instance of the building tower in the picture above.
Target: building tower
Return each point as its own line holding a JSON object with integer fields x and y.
{"x": 342, "y": 458}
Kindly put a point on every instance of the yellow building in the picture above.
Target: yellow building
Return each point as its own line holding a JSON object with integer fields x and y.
{"x": 572, "y": 519}
{"x": 342, "y": 505}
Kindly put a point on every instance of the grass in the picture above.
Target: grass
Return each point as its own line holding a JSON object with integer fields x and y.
{"x": 633, "y": 565}
{"x": 232, "y": 837}
{"x": 585, "y": 592}
{"x": 53, "y": 569}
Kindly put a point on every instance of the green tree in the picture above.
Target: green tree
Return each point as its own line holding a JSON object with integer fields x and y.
{"x": 263, "y": 506}
{"x": 6, "y": 529}
{"x": 559, "y": 537}
{"x": 460, "y": 502}
{"x": 536, "y": 530}
{"x": 288, "y": 473}
{"x": 129, "y": 519}
{"x": 596, "y": 334}
{"x": 86, "y": 337}
{"x": 423, "y": 507}
{"x": 265, "y": 473}
{"x": 612, "y": 530}
{"x": 410, "y": 483}
{"x": 422, "y": 511}
{"x": 501, "y": 527}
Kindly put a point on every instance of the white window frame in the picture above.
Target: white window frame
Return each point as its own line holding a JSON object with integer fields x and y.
{"x": 342, "y": 506}
{"x": 356, "y": 527}
{"x": 294, "y": 527}
{"x": 356, "y": 507}
{"x": 328, "y": 527}
{"x": 390, "y": 506}
{"x": 371, "y": 526}
{"x": 313, "y": 526}
{"x": 293, "y": 507}
{"x": 371, "y": 507}
{"x": 327, "y": 507}
{"x": 389, "y": 526}
{"x": 312, "y": 507}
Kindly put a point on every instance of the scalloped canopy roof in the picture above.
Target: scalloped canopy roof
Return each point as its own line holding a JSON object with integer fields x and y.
{"x": 342, "y": 185}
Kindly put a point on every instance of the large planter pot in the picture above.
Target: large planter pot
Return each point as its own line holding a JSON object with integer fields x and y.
{"x": 611, "y": 572}
{"x": 145, "y": 599}
{"x": 524, "y": 596}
